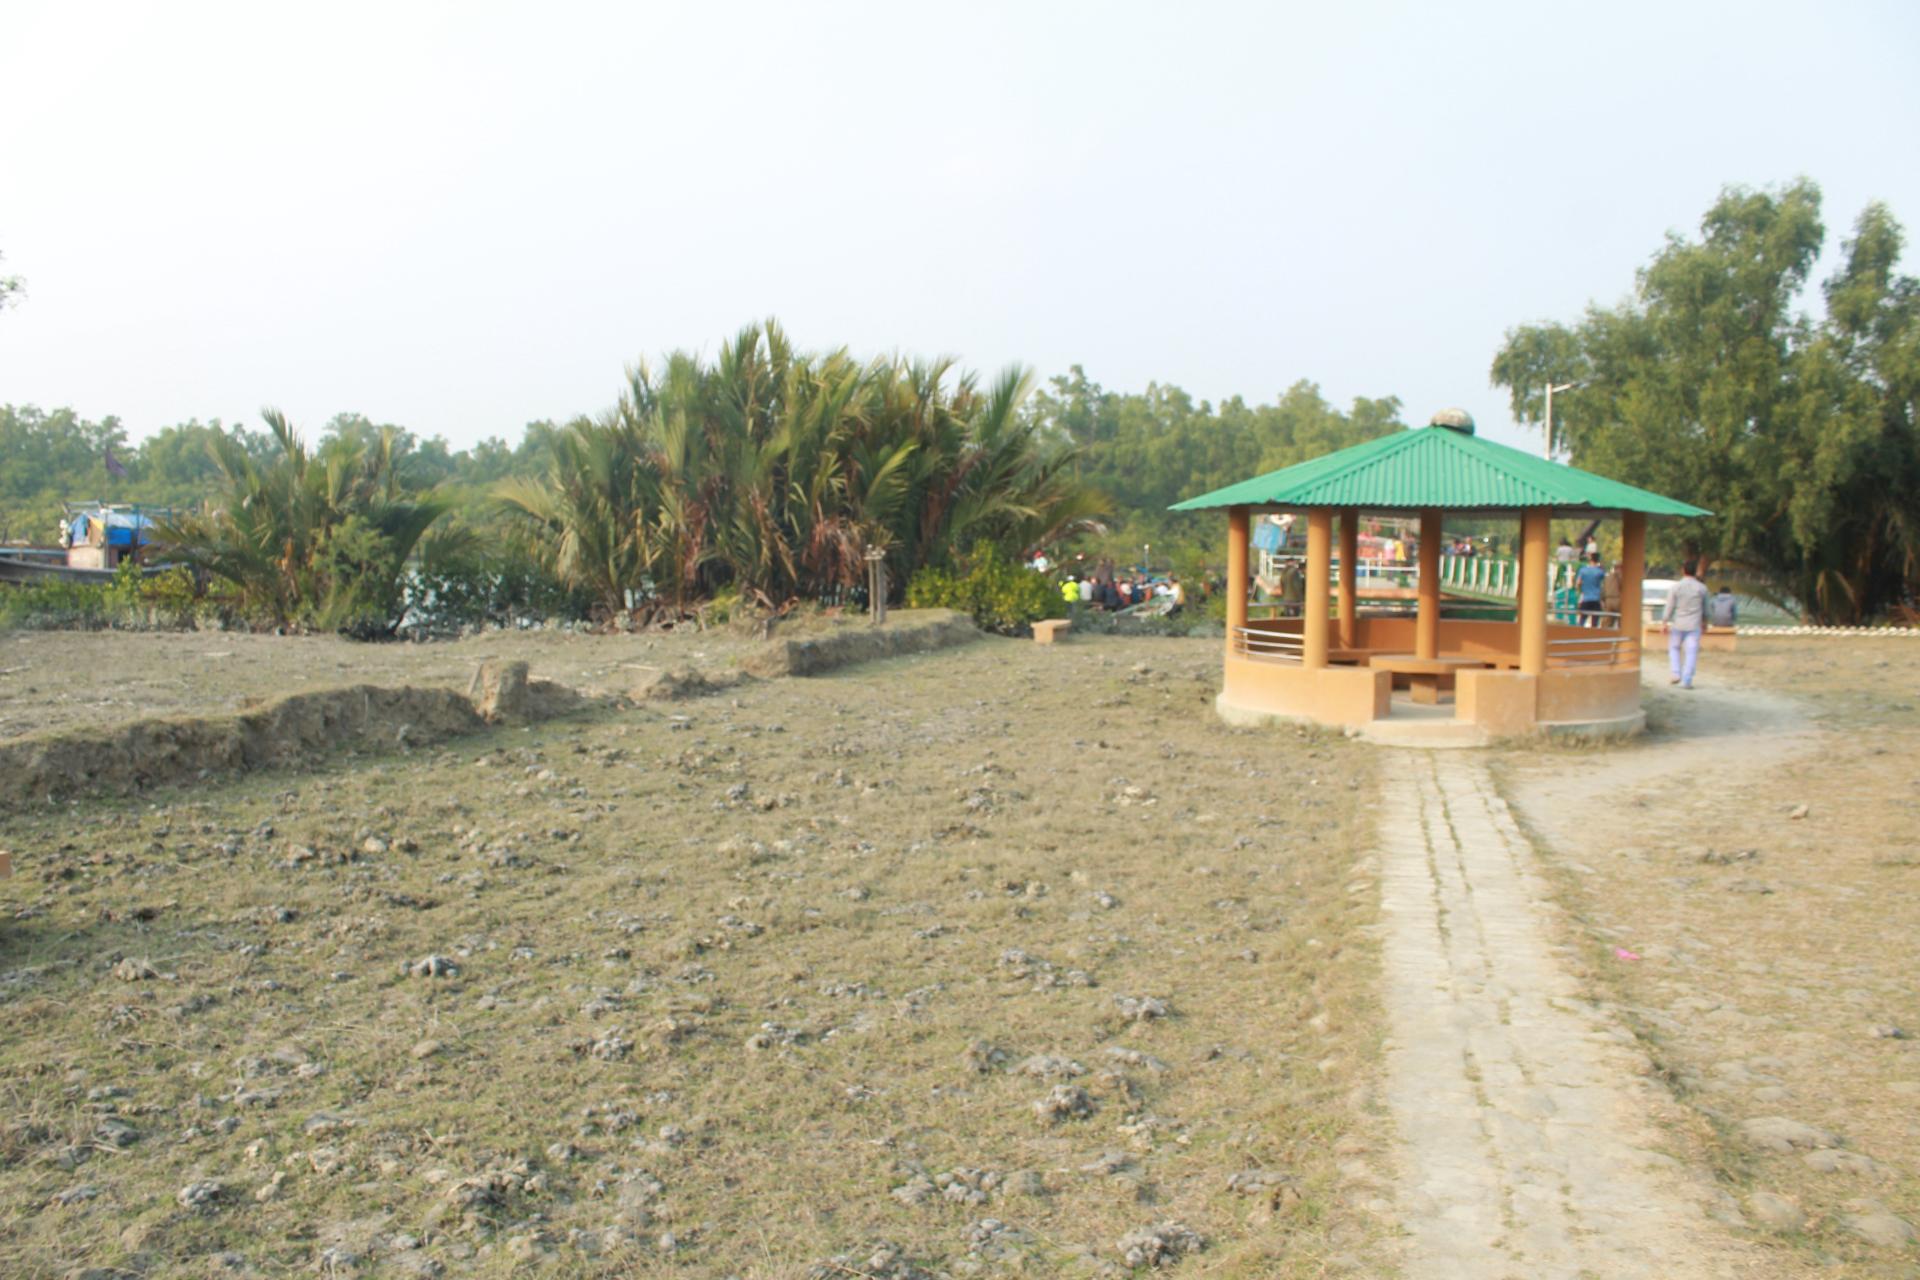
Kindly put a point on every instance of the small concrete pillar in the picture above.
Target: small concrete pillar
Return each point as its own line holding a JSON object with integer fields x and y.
{"x": 876, "y": 586}
{"x": 499, "y": 691}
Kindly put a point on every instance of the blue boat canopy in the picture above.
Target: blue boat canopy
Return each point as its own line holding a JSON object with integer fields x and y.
{"x": 121, "y": 528}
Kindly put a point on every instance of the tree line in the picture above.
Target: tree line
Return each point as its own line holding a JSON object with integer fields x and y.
{"x": 765, "y": 474}
{"x": 768, "y": 473}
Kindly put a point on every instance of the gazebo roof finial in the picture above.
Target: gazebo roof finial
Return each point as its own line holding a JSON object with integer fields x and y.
{"x": 1453, "y": 420}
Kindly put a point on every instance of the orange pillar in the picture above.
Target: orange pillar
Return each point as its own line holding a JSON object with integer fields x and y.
{"x": 1426, "y": 627}
{"x": 1319, "y": 565}
{"x": 1237, "y": 524}
{"x": 1349, "y": 575}
{"x": 1532, "y": 600}
{"x": 1633, "y": 570}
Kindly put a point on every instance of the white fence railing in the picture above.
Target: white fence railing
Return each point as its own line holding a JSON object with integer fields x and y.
{"x": 1482, "y": 575}
{"x": 1497, "y": 576}
{"x": 1487, "y": 575}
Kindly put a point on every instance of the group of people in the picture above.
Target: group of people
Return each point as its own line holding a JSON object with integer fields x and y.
{"x": 1103, "y": 587}
{"x": 1567, "y": 553}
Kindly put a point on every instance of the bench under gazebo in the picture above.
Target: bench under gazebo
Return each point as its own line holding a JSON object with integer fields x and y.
{"x": 1340, "y": 664}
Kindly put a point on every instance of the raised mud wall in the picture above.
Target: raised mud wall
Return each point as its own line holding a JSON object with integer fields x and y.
{"x": 301, "y": 726}
{"x": 297, "y": 727}
{"x": 919, "y": 631}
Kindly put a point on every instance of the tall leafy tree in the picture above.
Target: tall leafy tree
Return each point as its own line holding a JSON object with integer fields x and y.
{"x": 1711, "y": 383}
{"x": 49, "y": 456}
{"x": 1148, "y": 450}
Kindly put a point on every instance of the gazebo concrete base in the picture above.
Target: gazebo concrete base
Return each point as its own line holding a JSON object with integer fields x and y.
{"x": 1617, "y": 727}
{"x": 1243, "y": 717}
{"x": 1431, "y": 728}
{"x": 1431, "y": 731}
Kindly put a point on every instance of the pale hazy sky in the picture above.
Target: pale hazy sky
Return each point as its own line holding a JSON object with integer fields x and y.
{"x": 460, "y": 217}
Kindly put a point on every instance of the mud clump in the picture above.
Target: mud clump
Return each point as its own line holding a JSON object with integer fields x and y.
{"x": 667, "y": 684}
{"x": 922, "y": 631}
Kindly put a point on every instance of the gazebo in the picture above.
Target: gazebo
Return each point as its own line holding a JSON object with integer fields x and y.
{"x": 1511, "y": 669}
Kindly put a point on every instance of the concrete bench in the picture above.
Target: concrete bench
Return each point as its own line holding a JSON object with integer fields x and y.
{"x": 1426, "y": 677}
{"x": 1051, "y": 630}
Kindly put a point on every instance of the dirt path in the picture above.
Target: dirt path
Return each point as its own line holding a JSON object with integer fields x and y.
{"x": 1526, "y": 1142}
{"x": 1711, "y": 727}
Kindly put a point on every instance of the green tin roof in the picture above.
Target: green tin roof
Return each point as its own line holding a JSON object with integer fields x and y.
{"x": 1437, "y": 467}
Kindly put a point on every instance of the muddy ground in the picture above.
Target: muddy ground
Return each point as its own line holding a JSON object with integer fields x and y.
{"x": 1003, "y": 958}
{"x": 1747, "y": 881}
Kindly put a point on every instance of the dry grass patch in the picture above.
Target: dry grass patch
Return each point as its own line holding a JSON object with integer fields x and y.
{"x": 1007, "y": 958}
{"x": 1769, "y": 882}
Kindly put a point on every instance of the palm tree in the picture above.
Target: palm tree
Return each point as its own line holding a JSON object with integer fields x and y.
{"x": 590, "y": 512}
{"x": 773, "y": 472}
{"x": 314, "y": 538}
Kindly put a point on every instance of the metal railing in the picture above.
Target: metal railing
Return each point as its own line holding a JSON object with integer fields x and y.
{"x": 1603, "y": 650}
{"x": 1593, "y": 651}
{"x": 1267, "y": 646}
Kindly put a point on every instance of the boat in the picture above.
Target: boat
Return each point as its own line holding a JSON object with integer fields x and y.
{"x": 95, "y": 539}
{"x": 30, "y": 565}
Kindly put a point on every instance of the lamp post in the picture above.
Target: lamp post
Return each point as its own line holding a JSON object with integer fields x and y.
{"x": 1565, "y": 386}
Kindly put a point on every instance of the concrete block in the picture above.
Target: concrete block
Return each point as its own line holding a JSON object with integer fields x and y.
{"x": 1051, "y": 631}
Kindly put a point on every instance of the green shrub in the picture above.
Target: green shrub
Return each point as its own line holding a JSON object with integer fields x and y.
{"x": 998, "y": 593}
{"x": 129, "y": 601}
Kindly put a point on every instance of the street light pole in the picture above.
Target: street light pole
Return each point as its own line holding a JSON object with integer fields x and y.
{"x": 1565, "y": 386}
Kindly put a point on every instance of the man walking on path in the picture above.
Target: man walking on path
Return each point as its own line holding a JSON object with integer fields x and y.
{"x": 1686, "y": 616}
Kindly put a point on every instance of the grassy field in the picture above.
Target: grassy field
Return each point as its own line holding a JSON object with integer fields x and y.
{"x": 996, "y": 960}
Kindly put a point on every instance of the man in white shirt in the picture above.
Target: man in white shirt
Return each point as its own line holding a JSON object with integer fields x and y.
{"x": 1686, "y": 617}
